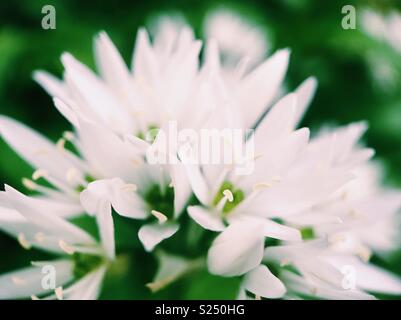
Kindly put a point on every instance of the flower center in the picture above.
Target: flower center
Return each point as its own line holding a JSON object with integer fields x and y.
{"x": 150, "y": 134}
{"x": 160, "y": 199}
{"x": 307, "y": 233}
{"x": 88, "y": 178}
{"x": 237, "y": 196}
{"x": 84, "y": 263}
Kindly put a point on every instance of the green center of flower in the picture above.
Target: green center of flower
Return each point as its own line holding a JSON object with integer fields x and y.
{"x": 85, "y": 263}
{"x": 88, "y": 178}
{"x": 150, "y": 135}
{"x": 307, "y": 233}
{"x": 160, "y": 199}
{"x": 238, "y": 196}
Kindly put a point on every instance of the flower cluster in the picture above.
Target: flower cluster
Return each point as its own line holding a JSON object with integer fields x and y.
{"x": 302, "y": 223}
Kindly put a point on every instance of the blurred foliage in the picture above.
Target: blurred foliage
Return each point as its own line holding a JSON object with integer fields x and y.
{"x": 341, "y": 60}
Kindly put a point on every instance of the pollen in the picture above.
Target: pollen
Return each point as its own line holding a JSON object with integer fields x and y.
{"x": 72, "y": 175}
{"x": 29, "y": 184}
{"x": 18, "y": 281}
{"x": 68, "y": 135}
{"x": 65, "y": 247}
{"x": 40, "y": 237}
{"x": 24, "y": 242}
{"x": 229, "y": 195}
{"x": 60, "y": 144}
{"x": 130, "y": 187}
{"x": 162, "y": 218}
{"x": 40, "y": 173}
{"x": 261, "y": 185}
{"x": 59, "y": 293}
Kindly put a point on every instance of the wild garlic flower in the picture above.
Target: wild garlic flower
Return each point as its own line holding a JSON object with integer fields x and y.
{"x": 81, "y": 262}
{"x": 288, "y": 227}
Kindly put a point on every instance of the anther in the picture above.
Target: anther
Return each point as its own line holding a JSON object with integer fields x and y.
{"x": 162, "y": 218}
{"x": 65, "y": 247}
{"x": 24, "y": 242}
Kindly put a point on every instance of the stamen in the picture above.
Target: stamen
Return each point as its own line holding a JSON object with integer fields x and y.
{"x": 229, "y": 195}
{"x": 68, "y": 135}
{"x": 277, "y": 179}
{"x": 60, "y": 144}
{"x": 65, "y": 247}
{"x": 258, "y": 297}
{"x": 29, "y": 184}
{"x": 261, "y": 185}
{"x": 130, "y": 187}
{"x": 24, "y": 242}
{"x": 40, "y": 237}
{"x": 284, "y": 262}
{"x": 33, "y": 297}
{"x": 59, "y": 293}
{"x": 73, "y": 176}
{"x": 40, "y": 173}
{"x": 162, "y": 218}
{"x": 136, "y": 162}
{"x": 18, "y": 281}
{"x": 364, "y": 253}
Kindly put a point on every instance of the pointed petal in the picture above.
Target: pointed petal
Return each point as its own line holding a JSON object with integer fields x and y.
{"x": 47, "y": 221}
{"x": 261, "y": 282}
{"x": 36, "y": 149}
{"x": 26, "y": 282}
{"x": 110, "y": 63}
{"x": 305, "y": 93}
{"x": 237, "y": 250}
{"x": 261, "y": 85}
{"x": 152, "y": 234}
{"x": 205, "y": 218}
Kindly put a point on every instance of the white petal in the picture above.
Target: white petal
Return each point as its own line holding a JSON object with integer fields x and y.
{"x": 36, "y": 149}
{"x": 47, "y": 221}
{"x": 261, "y": 282}
{"x": 110, "y": 63}
{"x": 370, "y": 277}
{"x": 197, "y": 181}
{"x": 119, "y": 194}
{"x": 205, "y": 218}
{"x": 170, "y": 268}
{"x": 106, "y": 228}
{"x": 66, "y": 111}
{"x": 152, "y": 234}
{"x": 237, "y": 250}
{"x": 87, "y": 288}
{"x": 93, "y": 94}
{"x": 26, "y": 282}
{"x": 261, "y": 85}
{"x": 305, "y": 93}
{"x": 182, "y": 188}
{"x": 282, "y": 232}
{"x": 55, "y": 87}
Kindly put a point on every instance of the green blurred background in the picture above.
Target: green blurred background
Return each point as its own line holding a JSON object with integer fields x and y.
{"x": 340, "y": 59}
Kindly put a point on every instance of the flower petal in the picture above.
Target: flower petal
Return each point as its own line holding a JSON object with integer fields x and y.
{"x": 205, "y": 218}
{"x": 261, "y": 282}
{"x": 237, "y": 250}
{"x": 152, "y": 234}
{"x": 29, "y": 281}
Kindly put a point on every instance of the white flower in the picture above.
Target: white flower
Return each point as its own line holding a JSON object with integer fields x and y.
{"x": 82, "y": 262}
{"x": 293, "y": 196}
{"x": 227, "y": 27}
{"x": 385, "y": 28}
